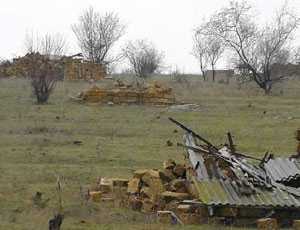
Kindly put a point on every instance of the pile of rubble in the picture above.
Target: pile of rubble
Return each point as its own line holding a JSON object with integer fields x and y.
{"x": 35, "y": 64}
{"x": 155, "y": 191}
{"x": 152, "y": 190}
{"x": 72, "y": 67}
{"x": 122, "y": 93}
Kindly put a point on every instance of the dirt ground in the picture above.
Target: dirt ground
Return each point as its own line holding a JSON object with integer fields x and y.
{"x": 38, "y": 144}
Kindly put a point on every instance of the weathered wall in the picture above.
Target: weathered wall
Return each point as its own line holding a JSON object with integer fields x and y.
{"x": 152, "y": 94}
{"x": 77, "y": 70}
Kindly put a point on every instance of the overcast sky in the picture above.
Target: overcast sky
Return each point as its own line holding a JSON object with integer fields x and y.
{"x": 167, "y": 23}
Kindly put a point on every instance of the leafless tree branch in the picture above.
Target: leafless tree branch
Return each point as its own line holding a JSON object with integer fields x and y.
{"x": 97, "y": 34}
{"x": 208, "y": 50}
{"x": 143, "y": 57}
{"x": 42, "y": 72}
{"x": 51, "y": 45}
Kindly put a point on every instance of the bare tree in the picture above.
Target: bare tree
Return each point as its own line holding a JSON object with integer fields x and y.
{"x": 208, "y": 50}
{"x": 257, "y": 48}
{"x": 42, "y": 72}
{"x": 143, "y": 57}
{"x": 214, "y": 51}
{"x": 97, "y": 34}
{"x": 200, "y": 52}
{"x": 53, "y": 45}
{"x": 42, "y": 63}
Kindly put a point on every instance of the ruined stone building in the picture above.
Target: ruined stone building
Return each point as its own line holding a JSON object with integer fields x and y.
{"x": 76, "y": 69}
{"x": 71, "y": 68}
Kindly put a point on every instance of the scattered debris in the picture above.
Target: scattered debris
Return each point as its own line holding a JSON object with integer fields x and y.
{"x": 106, "y": 185}
{"x": 95, "y": 196}
{"x": 184, "y": 108}
{"x": 267, "y": 223}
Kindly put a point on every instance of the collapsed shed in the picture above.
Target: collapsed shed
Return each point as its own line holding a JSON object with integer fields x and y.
{"x": 229, "y": 185}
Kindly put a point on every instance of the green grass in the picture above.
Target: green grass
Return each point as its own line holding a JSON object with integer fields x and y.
{"x": 36, "y": 145}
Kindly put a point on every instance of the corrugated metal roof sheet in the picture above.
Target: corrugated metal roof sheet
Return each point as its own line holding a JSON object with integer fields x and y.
{"x": 196, "y": 160}
{"x": 224, "y": 191}
{"x": 283, "y": 169}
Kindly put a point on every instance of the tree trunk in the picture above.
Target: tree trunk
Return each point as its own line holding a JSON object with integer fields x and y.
{"x": 268, "y": 87}
{"x": 213, "y": 73}
{"x": 263, "y": 82}
{"x": 203, "y": 75}
{"x": 202, "y": 68}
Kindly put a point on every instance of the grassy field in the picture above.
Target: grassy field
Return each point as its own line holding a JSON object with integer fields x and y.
{"x": 36, "y": 145}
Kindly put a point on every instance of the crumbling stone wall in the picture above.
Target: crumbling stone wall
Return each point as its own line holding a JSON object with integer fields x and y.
{"x": 78, "y": 70}
{"x": 155, "y": 94}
